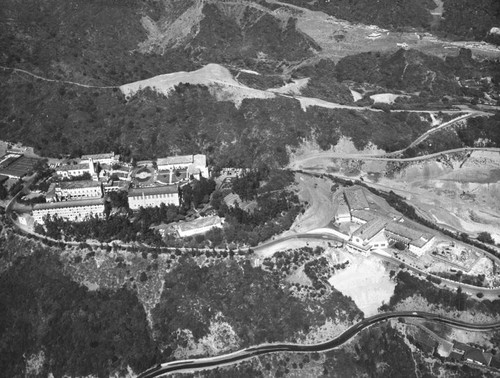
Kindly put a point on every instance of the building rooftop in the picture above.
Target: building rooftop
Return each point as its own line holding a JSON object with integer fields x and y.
{"x": 365, "y": 215}
{"x": 78, "y": 184}
{"x": 18, "y": 166}
{"x": 64, "y": 204}
{"x": 165, "y": 189}
{"x": 356, "y": 199}
{"x": 461, "y": 346}
{"x": 109, "y": 155}
{"x": 73, "y": 167}
{"x": 117, "y": 184}
{"x": 370, "y": 229}
{"x": 172, "y": 160}
{"x": 417, "y": 238}
{"x": 478, "y": 356}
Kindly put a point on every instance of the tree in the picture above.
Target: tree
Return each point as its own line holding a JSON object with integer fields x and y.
{"x": 3, "y": 192}
{"x": 485, "y": 237}
{"x": 400, "y": 245}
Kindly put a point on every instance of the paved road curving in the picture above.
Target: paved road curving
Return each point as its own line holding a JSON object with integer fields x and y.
{"x": 247, "y": 353}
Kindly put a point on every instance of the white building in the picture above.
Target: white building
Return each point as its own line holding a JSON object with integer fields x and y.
{"x": 371, "y": 235}
{"x": 73, "y": 170}
{"x": 199, "y": 226}
{"x": 78, "y": 189}
{"x": 70, "y": 210}
{"x": 418, "y": 242}
{"x": 116, "y": 186}
{"x": 107, "y": 158}
{"x": 153, "y": 196}
{"x": 196, "y": 165}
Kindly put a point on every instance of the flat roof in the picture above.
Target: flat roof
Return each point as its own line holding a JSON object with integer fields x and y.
{"x": 64, "y": 204}
{"x": 108, "y": 155}
{"x": 19, "y": 166}
{"x": 78, "y": 184}
{"x": 370, "y": 229}
{"x": 165, "y": 189}
{"x": 73, "y": 167}
{"x": 181, "y": 159}
{"x": 364, "y": 215}
{"x": 407, "y": 232}
{"x": 356, "y": 199}
{"x": 7, "y": 159}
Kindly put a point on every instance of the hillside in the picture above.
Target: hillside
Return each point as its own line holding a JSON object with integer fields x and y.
{"x": 412, "y": 71}
{"x": 111, "y": 42}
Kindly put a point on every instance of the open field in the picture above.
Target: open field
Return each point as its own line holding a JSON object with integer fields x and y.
{"x": 366, "y": 281}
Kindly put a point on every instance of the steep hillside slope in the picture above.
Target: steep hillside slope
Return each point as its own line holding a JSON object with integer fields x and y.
{"x": 108, "y": 42}
{"x": 410, "y": 71}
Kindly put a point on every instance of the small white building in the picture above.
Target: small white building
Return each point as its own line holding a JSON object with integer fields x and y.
{"x": 74, "y": 211}
{"x": 73, "y": 170}
{"x": 106, "y": 158}
{"x": 195, "y": 164}
{"x": 153, "y": 196}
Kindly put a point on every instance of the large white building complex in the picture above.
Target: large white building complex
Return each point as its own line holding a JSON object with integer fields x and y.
{"x": 74, "y": 211}
{"x": 153, "y": 196}
{"x": 378, "y": 227}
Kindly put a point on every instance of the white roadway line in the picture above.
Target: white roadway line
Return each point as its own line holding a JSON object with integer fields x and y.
{"x": 57, "y": 80}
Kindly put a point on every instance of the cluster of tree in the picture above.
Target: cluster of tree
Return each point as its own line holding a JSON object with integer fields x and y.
{"x": 323, "y": 83}
{"x": 221, "y": 37}
{"x": 16, "y": 187}
{"x": 470, "y": 20}
{"x": 275, "y": 213}
{"x": 254, "y": 302}
{"x": 197, "y": 192}
{"x": 477, "y": 131}
{"x": 190, "y": 120}
{"x": 284, "y": 262}
{"x": 318, "y": 270}
{"x": 80, "y": 332}
{"x": 57, "y": 35}
{"x": 115, "y": 227}
{"x": 409, "y": 285}
{"x": 464, "y": 278}
{"x": 3, "y": 191}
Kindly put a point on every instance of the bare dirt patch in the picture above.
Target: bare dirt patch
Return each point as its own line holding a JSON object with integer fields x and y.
{"x": 366, "y": 281}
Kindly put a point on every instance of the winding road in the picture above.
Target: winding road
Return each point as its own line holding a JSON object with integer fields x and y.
{"x": 247, "y": 353}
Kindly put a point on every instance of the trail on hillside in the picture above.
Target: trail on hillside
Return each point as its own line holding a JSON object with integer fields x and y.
{"x": 18, "y": 70}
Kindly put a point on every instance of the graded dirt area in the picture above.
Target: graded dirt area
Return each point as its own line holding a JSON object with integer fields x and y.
{"x": 319, "y": 211}
{"x": 366, "y": 281}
